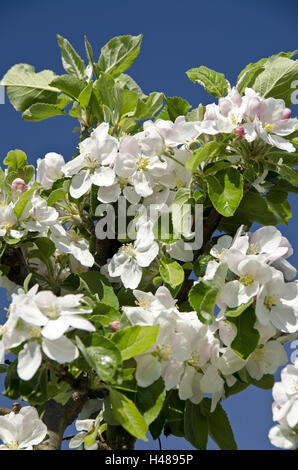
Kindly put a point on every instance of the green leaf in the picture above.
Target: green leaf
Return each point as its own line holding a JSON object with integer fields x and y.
{"x": 203, "y": 295}
{"x": 177, "y": 107}
{"x": 103, "y": 355}
{"x": 55, "y": 196}
{"x": 265, "y": 383}
{"x": 150, "y": 400}
{"x": 97, "y": 283}
{"x": 225, "y": 190}
{"x": 89, "y": 53}
{"x": 119, "y": 54}
{"x": 195, "y": 426}
{"x": 219, "y": 426}
{"x": 278, "y": 203}
{"x": 126, "y": 412}
{"x": 24, "y": 87}
{"x": 181, "y": 213}
{"x": 235, "y": 312}
{"x": 171, "y": 272}
{"x": 23, "y": 200}
{"x": 70, "y": 85}
{"x": 288, "y": 173}
{"x": 127, "y": 83}
{"x": 196, "y": 114}
{"x": 247, "y": 337}
{"x": 46, "y": 246}
{"x": 135, "y": 340}
{"x": 214, "y": 83}
{"x": 201, "y": 154}
{"x": 71, "y": 61}
{"x": 85, "y": 95}
{"x": 15, "y": 160}
{"x": 277, "y": 78}
{"x": 40, "y": 111}
{"x": 148, "y": 108}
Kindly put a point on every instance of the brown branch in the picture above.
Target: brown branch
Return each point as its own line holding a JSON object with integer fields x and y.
{"x": 57, "y": 417}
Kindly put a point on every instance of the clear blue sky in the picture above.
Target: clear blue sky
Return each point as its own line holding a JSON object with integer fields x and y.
{"x": 178, "y": 35}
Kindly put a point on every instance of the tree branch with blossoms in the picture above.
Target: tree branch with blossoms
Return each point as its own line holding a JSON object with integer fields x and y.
{"x": 141, "y": 295}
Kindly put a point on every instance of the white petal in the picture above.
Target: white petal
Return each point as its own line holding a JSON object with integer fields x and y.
{"x": 29, "y": 360}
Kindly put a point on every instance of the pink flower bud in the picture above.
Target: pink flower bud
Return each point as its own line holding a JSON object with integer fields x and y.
{"x": 115, "y": 325}
{"x": 18, "y": 185}
{"x": 225, "y": 106}
{"x": 286, "y": 113}
{"x": 240, "y": 132}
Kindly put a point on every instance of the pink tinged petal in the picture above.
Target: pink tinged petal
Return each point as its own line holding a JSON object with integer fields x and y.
{"x": 148, "y": 370}
{"x": 54, "y": 329}
{"x": 61, "y": 350}
{"x": 29, "y": 360}
{"x": 285, "y": 127}
{"x": 286, "y": 268}
{"x": 266, "y": 238}
{"x": 8, "y": 431}
{"x": 280, "y": 143}
{"x": 34, "y": 432}
{"x": 80, "y": 184}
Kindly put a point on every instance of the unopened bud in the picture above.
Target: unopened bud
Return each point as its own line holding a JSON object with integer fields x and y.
{"x": 240, "y": 132}
{"x": 18, "y": 185}
{"x": 286, "y": 113}
{"x": 115, "y": 325}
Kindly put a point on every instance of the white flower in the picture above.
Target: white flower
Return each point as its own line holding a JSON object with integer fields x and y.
{"x": 94, "y": 164}
{"x": 283, "y": 436}
{"x": 285, "y": 394}
{"x": 37, "y": 216}
{"x": 49, "y": 169}
{"x": 132, "y": 257}
{"x": 252, "y": 273}
{"x": 41, "y": 319}
{"x": 271, "y": 126}
{"x": 8, "y": 220}
{"x": 138, "y": 169}
{"x": 277, "y": 303}
{"x": 266, "y": 359}
{"x": 69, "y": 242}
{"x": 21, "y": 431}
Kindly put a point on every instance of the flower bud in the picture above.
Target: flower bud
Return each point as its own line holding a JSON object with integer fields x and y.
{"x": 240, "y": 132}
{"x": 115, "y": 325}
{"x": 286, "y": 113}
{"x": 225, "y": 106}
{"x": 18, "y": 185}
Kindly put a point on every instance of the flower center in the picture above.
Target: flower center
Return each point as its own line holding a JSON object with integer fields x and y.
{"x": 194, "y": 360}
{"x": 269, "y": 127}
{"x": 144, "y": 303}
{"x": 163, "y": 352}
{"x": 6, "y": 225}
{"x": 12, "y": 445}
{"x": 36, "y": 332}
{"x": 91, "y": 162}
{"x": 129, "y": 250}
{"x": 52, "y": 312}
{"x": 142, "y": 164}
{"x": 253, "y": 249}
{"x": 233, "y": 119}
{"x": 270, "y": 301}
{"x": 247, "y": 280}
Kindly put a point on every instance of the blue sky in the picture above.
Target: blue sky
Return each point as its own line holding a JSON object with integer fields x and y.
{"x": 223, "y": 35}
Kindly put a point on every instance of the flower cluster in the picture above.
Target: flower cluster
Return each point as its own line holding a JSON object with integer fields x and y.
{"x": 38, "y": 322}
{"x": 285, "y": 409}
{"x": 22, "y": 430}
{"x": 250, "y": 117}
{"x": 258, "y": 270}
